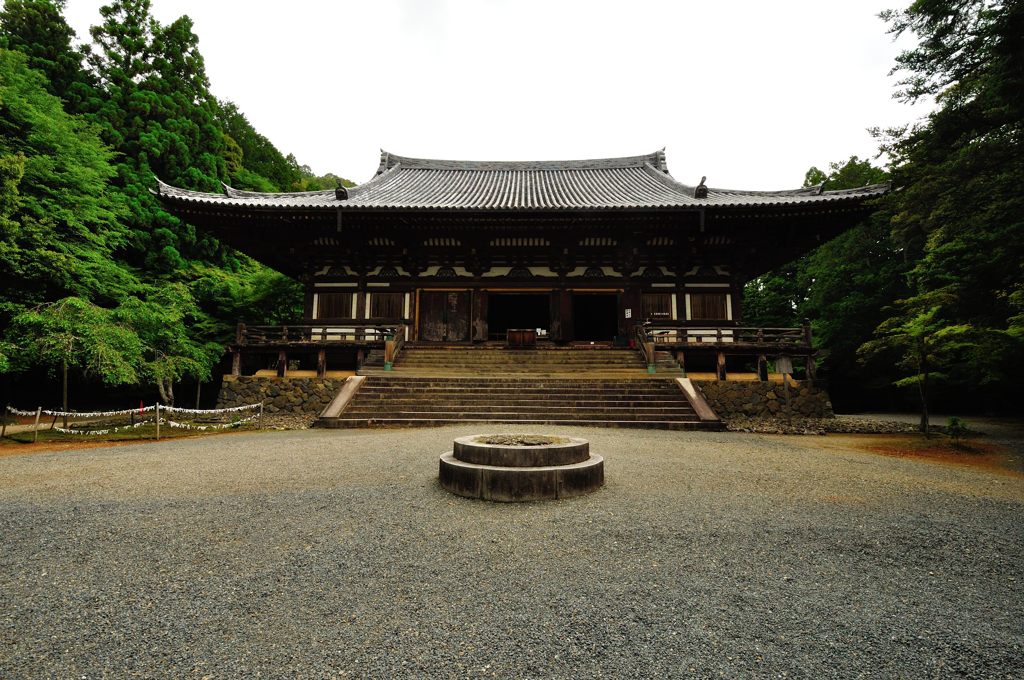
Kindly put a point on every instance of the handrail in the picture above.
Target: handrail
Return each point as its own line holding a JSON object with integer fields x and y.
{"x": 646, "y": 346}
{"x": 393, "y": 345}
{"x": 689, "y": 334}
{"x": 334, "y": 330}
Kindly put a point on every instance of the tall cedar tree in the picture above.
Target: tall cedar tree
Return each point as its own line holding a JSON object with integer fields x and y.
{"x": 958, "y": 208}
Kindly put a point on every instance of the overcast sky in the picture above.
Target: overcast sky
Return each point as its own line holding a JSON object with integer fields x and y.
{"x": 750, "y": 94}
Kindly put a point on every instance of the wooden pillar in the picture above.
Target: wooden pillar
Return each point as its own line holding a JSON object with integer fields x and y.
{"x": 565, "y": 316}
{"x": 236, "y": 362}
{"x": 681, "y": 360}
{"x": 812, "y": 368}
{"x": 321, "y": 363}
{"x": 721, "y": 366}
{"x": 282, "y": 363}
{"x": 479, "y": 319}
{"x": 762, "y": 367}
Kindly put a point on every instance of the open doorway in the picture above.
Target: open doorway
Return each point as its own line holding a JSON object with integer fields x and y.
{"x": 595, "y": 316}
{"x": 517, "y": 310}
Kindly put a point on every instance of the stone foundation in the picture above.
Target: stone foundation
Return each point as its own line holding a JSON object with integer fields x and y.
{"x": 280, "y": 395}
{"x": 742, "y": 399}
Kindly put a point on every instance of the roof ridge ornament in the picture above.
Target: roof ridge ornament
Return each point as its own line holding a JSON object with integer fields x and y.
{"x": 662, "y": 161}
{"x": 385, "y": 158}
{"x": 701, "y": 190}
{"x": 340, "y": 192}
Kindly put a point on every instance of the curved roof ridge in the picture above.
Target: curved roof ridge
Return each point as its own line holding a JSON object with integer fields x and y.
{"x": 243, "y": 193}
{"x": 390, "y": 160}
{"x": 378, "y": 179}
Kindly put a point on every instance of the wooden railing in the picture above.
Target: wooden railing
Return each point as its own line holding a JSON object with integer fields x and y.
{"x": 393, "y": 344}
{"x": 688, "y": 335}
{"x": 646, "y": 347}
{"x": 342, "y": 331}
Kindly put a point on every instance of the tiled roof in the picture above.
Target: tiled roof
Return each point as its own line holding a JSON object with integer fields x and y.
{"x": 606, "y": 183}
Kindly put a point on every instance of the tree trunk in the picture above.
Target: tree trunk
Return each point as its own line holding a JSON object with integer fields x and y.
{"x": 166, "y": 392}
{"x": 922, "y": 387}
{"x": 64, "y": 395}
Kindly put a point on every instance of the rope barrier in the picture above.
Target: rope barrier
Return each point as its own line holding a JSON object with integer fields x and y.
{"x": 209, "y": 411}
{"x": 69, "y": 430}
{"x": 220, "y": 426}
{"x": 157, "y": 421}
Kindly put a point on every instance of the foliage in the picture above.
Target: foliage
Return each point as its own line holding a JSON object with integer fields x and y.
{"x": 163, "y": 324}
{"x": 59, "y": 218}
{"x": 923, "y": 346}
{"x": 957, "y": 430}
{"x": 841, "y": 286}
{"x": 81, "y": 335}
{"x": 958, "y": 208}
{"x": 80, "y": 144}
{"x": 37, "y": 29}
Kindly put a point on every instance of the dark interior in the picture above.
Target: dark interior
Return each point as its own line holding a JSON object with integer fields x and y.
{"x": 517, "y": 310}
{"x": 594, "y": 316}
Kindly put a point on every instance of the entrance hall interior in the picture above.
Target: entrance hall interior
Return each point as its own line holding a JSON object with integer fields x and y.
{"x": 517, "y": 310}
{"x": 595, "y": 316}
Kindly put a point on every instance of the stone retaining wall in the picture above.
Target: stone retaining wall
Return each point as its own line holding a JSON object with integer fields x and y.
{"x": 736, "y": 399}
{"x": 280, "y": 395}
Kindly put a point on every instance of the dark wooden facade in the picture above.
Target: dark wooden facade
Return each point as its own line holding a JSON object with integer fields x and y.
{"x": 577, "y": 250}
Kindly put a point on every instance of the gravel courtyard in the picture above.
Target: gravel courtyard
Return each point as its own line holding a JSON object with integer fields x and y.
{"x": 336, "y": 554}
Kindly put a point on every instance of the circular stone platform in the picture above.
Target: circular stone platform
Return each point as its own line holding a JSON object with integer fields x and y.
{"x": 519, "y": 467}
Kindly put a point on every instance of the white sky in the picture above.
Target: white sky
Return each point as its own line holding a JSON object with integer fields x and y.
{"x": 750, "y": 93}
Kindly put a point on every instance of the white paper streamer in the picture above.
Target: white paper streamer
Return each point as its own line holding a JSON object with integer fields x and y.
{"x": 98, "y": 414}
{"x": 209, "y": 411}
{"x": 106, "y": 431}
{"x": 222, "y": 426}
{"x": 11, "y": 409}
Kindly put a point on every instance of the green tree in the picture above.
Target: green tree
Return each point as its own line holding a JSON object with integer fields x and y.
{"x": 162, "y": 323}
{"x": 60, "y": 224}
{"x": 924, "y": 345}
{"x": 74, "y": 334}
{"x": 37, "y": 29}
{"x": 958, "y": 208}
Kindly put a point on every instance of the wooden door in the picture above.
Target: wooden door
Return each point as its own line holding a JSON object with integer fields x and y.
{"x": 444, "y": 316}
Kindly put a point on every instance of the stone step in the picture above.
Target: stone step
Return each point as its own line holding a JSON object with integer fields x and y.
{"x": 484, "y": 393}
{"x": 684, "y": 412}
{"x": 343, "y": 422}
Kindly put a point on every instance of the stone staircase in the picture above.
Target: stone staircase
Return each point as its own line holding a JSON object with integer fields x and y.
{"x": 498, "y": 360}
{"x": 440, "y": 385}
{"x": 611, "y": 402}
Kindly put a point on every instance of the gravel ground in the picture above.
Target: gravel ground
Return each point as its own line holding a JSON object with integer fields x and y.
{"x": 335, "y": 554}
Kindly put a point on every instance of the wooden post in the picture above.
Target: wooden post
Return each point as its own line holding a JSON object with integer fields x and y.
{"x": 53, "y": 423}
{"x": 321, "y": 363}
{"x": 199, "y": 391}
{"x": 158, "y": 421}
{"x": 812, "y": 368}
{"x": 681, "y": 360}
{"x": 3, "y": 426}
{"x": 762, "y": 367}
{"x": 35, "y": 430}
{"x": 261, "y": 416}
{"x": 282, "y": 363}
{"x": 785, "y": 389}
{"x": 64, "y": 400}
{"x": 721, "y": 364}
{"x": 236, "y": 362}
